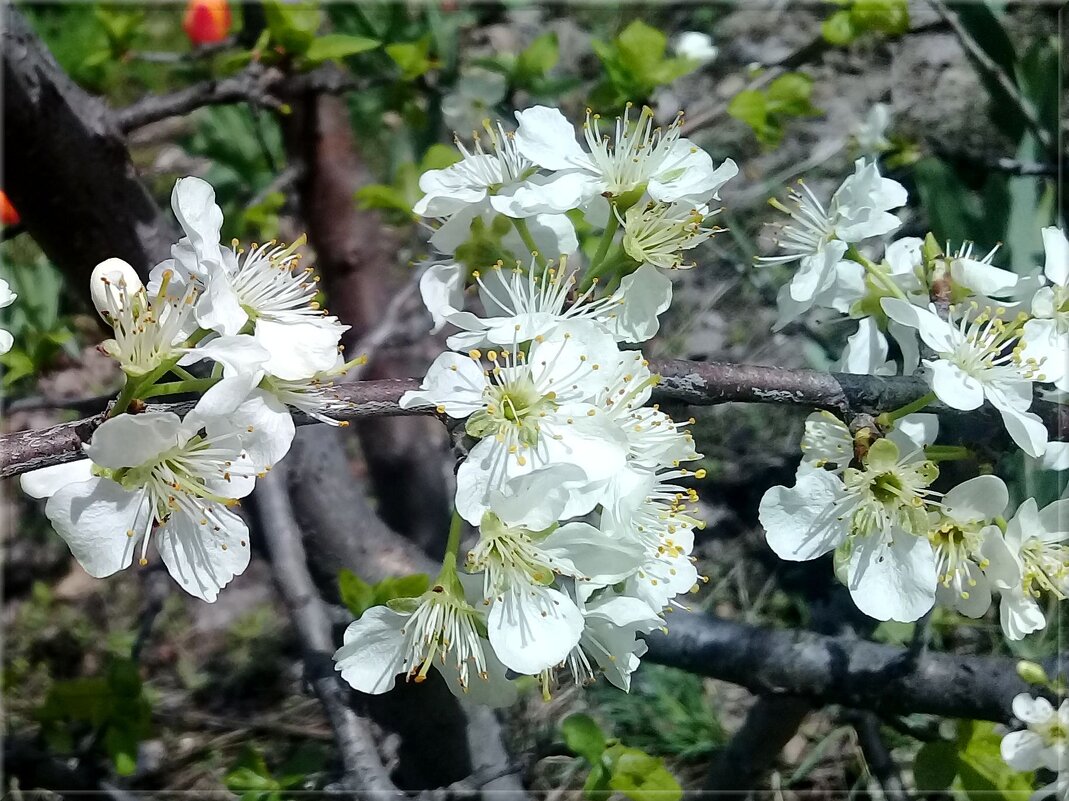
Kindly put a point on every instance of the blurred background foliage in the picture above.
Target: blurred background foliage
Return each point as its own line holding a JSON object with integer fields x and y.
{"x": 785, "y": 89}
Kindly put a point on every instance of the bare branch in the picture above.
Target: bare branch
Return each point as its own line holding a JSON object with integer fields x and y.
{"x": 364, "y": 771}
{"x": 878, "y": 757}
{"x": 256, "y": 84}
{"x": 840, "y": 670}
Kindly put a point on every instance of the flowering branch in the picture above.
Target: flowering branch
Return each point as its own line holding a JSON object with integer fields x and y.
{"x": 690, "y": 382}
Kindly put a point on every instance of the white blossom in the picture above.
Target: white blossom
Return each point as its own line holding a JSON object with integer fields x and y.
{"x": 1029, "y": 560}
{"x": 7, "y": 297}
{"x": 695, "y": 45}
{"x": 979, "y": 358}
{"x": 1044, "y": 743}
{"x": 1046, "y": 335}
{"x": 637, "y": 157}
{"x": 529, "y": 411}
{"x": 156, "y": 477}
{"x": 874, "y": 514}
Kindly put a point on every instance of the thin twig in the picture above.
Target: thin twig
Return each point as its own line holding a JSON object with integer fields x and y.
{"x": 878, "y": 756}
{"x": 261, "y": 86}
{"x": 996, "y": 73}
{"x": 386, "y": 328}
{"x": 364, "y": 771}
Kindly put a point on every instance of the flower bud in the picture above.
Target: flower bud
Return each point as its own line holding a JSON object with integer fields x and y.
{"x": 1032, "y": 673}
{"x": 207, "y": 21}
{"x": 111, "y": 281}
{"x": 8, "y": 214}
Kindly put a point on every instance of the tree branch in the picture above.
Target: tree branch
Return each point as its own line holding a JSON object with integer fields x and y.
{"x": 840, "y": 670}
{"x": 694, "y": 383}
{"x": 364, "y": 771}
{"x": 256, "y": 84}
{"x": 67, "y": 169}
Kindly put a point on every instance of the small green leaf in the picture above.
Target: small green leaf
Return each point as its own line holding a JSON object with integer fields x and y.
{"x": 412, "y": 57}
{"x": 596, "y": 787}
{"x": 357, "y": 595}
{"x": 935, "y": 766}
{"x": 641, "y": 777}
{"x": 641, "y": 46}
{"x": 890, "y": 17}
{"x": 293, "y": 25}
{"x": 537, "y": 59}
{"x": 838, "y": 29}
{"x": 789, "y": 94}
{"x": 983, "y": 773}
{"x": 401, "y": 587}
{"x": 438, "y": 157}
{"x": 583, "y": 737}
{"x": 335, "y": 46}
{"x": 121, "y": 745}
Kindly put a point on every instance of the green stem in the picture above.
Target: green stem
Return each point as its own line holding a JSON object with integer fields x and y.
{"x": 456, "y": 526}
{"x": 947, "y": 453}
{"x": 126, "y": 394}
{"x": 528, "y": 240}
{"x": 887, "y": 419}
{"x": 598, "y": 264}
{"x": 180, "y": 387}
{"x": 878, "y": 275}
{"x": 182, "y": 372}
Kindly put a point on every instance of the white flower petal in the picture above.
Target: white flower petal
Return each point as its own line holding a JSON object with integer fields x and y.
{"x": 95, "y": 518}
{"x": 453, "y": 381}
{"x": 980, "y": 498}
{"x": 300, "y": 350}
{"x": 892, "y": 578}
{"x": 203, "y": 554}
{"x": 800, "y": 522}
{"x": 1023, "y": 750}
{"x": 533, "y": 628}
{"x": 1057, "y": 250}
{"x": 371, "y": 658}
{"x": 46, "y": 481}
{"x": 643, "y": 296}
{"x": 954, "y": 386}
{"x": 545, "y": 136}
{"x": 130, "y": 440}
{"x": 1019, "y": 615}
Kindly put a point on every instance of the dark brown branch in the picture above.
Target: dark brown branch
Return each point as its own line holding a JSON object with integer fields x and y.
{"x": 256, "y": 84}
{"x": 878, "y": 757}
{"x": 66, "y": 166}
{"x": 364, "y": 771}
{"x": 695, "y": 383}
{"x": 840, "y": 670}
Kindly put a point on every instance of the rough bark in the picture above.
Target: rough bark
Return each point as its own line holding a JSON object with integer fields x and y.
{"x": 840, "y": 670}
{"x": 66, "y": 166}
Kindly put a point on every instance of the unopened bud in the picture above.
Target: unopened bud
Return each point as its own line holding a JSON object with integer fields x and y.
{"x": 207, "y": 21}
{"x": 1032, "y": 673}
{"x": 8, "y": 214}
{"x": 112, "y": 281}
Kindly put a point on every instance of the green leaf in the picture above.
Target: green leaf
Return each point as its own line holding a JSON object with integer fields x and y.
{"x": 789, "y": 94}
{"x": 944, "y": 197}
{"x": 883, "y": 16}
{"x": 438, "y": 157}
{"x": 583, "y": 737}
{"x": 984, "y": 775}
{"x": 293, "y": 25}
{"x": 335, "y": 46}
{"x": 412, "y": 57}
{"x": 596, "y": 787}
{"x": 383, "y": 196}
{"x": 838, "y": 29}
{"x": 935, "y": 766}
{"x": 537, "y": 59}
{"x": 357, "y": 595}
{"x": 641, "y": 47}
{"x": 641, "y": 777}
{"x": 401, "y": 587}
{"x": 121, "y": 744}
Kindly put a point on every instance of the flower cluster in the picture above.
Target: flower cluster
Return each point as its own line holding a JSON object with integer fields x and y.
{"x": 572, "y": 480}
{"x": 154, "y": 476}
{"x": 1042, "y": 744}
{"x": 902, "y": 541}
